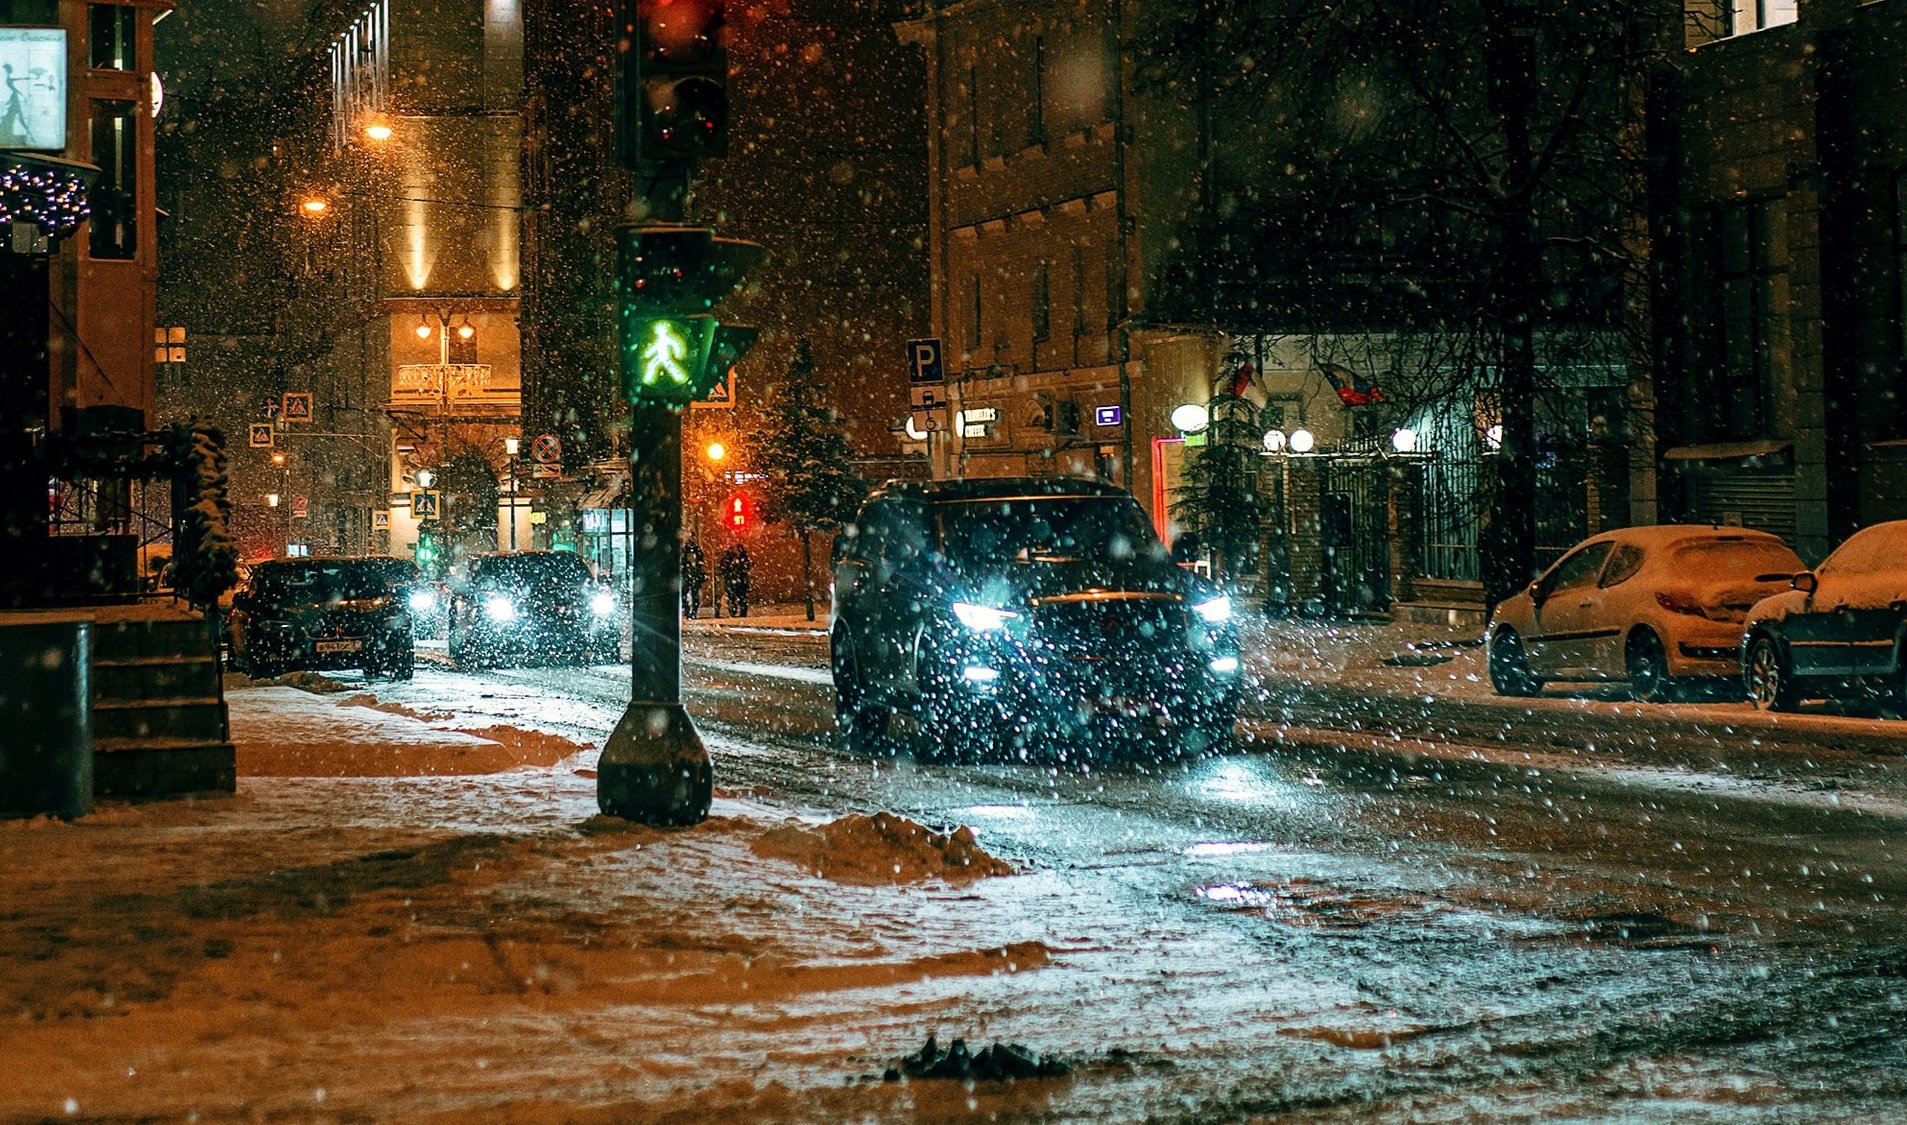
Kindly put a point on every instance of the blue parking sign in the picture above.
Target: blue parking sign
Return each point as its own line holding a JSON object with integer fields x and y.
{"x": 923, "y": 359}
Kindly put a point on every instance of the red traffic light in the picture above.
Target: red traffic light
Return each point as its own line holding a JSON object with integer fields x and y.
{"x": 738, "y": 512}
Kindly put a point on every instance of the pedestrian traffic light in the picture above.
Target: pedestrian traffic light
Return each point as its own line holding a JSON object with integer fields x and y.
{"x": 673, "y": 102}
{"x": 739, "y": 512}
{"x": 668, "y": 278}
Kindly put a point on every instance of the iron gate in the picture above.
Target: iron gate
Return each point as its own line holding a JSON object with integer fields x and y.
{"x": 1354, "y": 534}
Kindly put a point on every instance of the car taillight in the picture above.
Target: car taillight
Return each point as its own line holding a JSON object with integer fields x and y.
{"x": 1680, "y": 603}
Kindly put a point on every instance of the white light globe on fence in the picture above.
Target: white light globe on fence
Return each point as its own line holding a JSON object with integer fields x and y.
{"x": 1404, "y": 440}
{"x": 1302, "y": 440}
{"x": 914, "y": 432}
{"x": 1274, "y": 441}
{"x": 1190, "y": 418}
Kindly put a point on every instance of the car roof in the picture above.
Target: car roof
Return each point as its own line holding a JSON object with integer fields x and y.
{"x": 994, "y": 488}
{"x": 1674, "y": 534}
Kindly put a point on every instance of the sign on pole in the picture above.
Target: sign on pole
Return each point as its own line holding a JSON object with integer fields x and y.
{"x": 297, "y": 406}
{"x": 720, "y": 397}
{"x": 425, "y": 505}
{"x": 923, "y": 358}
{"x": 300, "y": 507}
{"x": 380, "y": 519}
{"x": 261, "y": 434}
{"x": 546, "y": 449}
{"x": 1108, "y": 415}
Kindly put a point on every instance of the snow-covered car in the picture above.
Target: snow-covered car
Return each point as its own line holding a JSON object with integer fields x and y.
{"x": 530, "y": 605}
{"x": 1010, "y": 613}
{"x": 321, "y": 615}
{"x": 1649, "y": 605}
{"x": 1838, "y": 631}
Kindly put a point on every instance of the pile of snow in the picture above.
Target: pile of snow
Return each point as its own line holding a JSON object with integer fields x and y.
{"x": 882, "y": 848}
{"x": 365, "y": 699}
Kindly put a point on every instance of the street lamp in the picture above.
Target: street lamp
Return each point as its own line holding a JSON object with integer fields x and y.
{"x": 717, "y": 451}
{"x": 510, "y": 447}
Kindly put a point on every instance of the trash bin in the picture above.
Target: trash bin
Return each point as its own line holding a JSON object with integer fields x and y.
{"x": 46, "y": 724}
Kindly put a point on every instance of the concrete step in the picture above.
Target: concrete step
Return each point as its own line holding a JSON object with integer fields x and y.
{"x": 200, "y": 719}
{"x": 156, "y": 678}
{"x": 141, "y": 769}
{"x": 146, "y": 638}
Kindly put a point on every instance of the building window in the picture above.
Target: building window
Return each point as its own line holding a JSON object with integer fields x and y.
{"x": 973, "y": 316}
{"x": 1079, "y": 290}
{"x": 1115, "y": 286}
{"x": 114, "y": 221}
{"x": 1745, "y": 16}
{"x": 1042, "y": 301}
{"x": 109, "y": 36}
{"x": 1751, "y": 267}
{"x": 1036, "y": 99}
{"x": 973, "y": 115}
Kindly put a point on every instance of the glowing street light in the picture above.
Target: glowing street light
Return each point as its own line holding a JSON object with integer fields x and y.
{"x": 1190, "y": 418}
{"x": 378, "y": 129}
{"x": 313, "y": 207}
{"x": 717, "y": 451}
{"x": 1302, "y": 440}
{"x": 1274, "y": 441}
{"x": 1404, "y": 440}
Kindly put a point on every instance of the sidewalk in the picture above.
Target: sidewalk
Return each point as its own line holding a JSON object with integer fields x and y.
{"x": 762, "y": 619}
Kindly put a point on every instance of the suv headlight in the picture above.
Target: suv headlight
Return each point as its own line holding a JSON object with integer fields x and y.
{"x": 602, "y": 603}
{"x": 982, "y": 619}
{"x": 499, "y": 608}
{"x": 1214, "y": 611}
{"x": 422, "y": 601}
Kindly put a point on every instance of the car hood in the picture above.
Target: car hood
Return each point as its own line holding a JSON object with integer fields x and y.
{"x": 313, "y": 615}
{"x": 1026, "y": 583}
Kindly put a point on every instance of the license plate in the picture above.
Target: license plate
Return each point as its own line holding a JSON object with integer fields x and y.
{"x": 1122, "y": 707}
{"x": 339, "y": 646}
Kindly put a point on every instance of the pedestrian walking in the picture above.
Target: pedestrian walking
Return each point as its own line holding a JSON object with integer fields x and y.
{"x": 732, "y": 571}
{"x": 694, "y": 573}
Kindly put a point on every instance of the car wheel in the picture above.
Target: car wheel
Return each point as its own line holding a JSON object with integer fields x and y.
{"x": 405, "y": 666}
{"x": 1509, "y": 669}
{"x": 860, "y": 726}
{"x": 1648, "y": 668}
{"x": 1765, "y": 676}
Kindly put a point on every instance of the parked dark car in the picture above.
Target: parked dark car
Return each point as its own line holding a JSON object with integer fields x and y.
{"x": 322, "y": 615}
{"x": 1023, "y": 614}
{"x": 530, "y": 606}
{"x": 1839, "y": 631}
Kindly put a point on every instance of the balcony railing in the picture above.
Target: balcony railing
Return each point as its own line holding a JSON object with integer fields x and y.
{"x": 453, "y": 382}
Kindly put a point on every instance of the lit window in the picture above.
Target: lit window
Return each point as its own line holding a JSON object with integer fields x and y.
{"x": 109, "y": 36}
{"x": 114, "y": 198}
{"x": 1752, "y": 15}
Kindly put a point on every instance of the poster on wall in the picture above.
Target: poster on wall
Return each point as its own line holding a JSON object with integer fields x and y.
{"x": 33, "y": 88}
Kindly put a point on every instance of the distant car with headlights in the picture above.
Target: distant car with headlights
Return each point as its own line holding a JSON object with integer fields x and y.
{"x": 1649, "y": 605}
{"x": 321, "y": 615}
{"x": 1022, "y": 614}
{"x": 1839, "y": 630}
{"x": 523, "y": 606}
{"x": 427, "y": 600}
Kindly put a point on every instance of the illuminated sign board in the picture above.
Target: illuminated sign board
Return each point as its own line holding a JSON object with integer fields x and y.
{"x": 33, "y": 94}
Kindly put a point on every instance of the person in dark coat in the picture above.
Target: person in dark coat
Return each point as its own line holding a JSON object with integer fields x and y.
{"x": 732, "y": 571}
{"x": 694, "y": 573}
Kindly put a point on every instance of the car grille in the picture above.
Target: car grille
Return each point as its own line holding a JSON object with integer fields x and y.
{"x": 1122, "y": 630}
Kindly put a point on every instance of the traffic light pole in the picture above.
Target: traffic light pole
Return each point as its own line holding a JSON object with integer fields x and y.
{"x": 655, "y": 769}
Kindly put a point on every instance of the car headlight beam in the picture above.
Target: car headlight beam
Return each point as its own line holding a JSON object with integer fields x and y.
{"x": 981, "y": 618}
{"x": 499, "y": 608}
{"x": 1214, "y": 611}
{"x": 422, "y": 601}
{"x": 602, "y": 603}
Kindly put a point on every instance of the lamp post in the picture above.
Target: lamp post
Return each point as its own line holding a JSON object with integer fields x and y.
{"x": 510, "y": 447}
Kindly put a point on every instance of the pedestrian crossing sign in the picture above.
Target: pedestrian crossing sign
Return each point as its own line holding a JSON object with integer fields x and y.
{"x": 426, "y": 505}
{"x": 297, "y": 406}
{"x": 261, "y": 435}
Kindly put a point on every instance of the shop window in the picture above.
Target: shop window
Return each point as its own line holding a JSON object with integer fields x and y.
{"x": 1745, "y": 16}
{"x": 114, "y": 222}
{"x": 110, "y": 36}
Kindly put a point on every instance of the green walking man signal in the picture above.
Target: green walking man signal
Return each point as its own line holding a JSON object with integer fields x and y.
{"x": 669, "y": 277}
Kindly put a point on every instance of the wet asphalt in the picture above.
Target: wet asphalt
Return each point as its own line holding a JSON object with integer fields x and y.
{"x": 1576, "y": 907}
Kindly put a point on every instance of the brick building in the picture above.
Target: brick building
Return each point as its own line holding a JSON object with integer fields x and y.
{"x": 1779, "y": 203}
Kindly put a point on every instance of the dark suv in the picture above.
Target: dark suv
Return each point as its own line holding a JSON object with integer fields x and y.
{"x": 321, "y": 615}
{"x": 1016, "y": 612}
{"x": 526, "y": 605}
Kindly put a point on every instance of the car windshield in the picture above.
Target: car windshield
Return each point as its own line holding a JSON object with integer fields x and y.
{"x": 317, "y": 582}
{"x": 982, "y": 535}
{"x": 532, "y": 571}
{"x": 1731, "y": 557}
